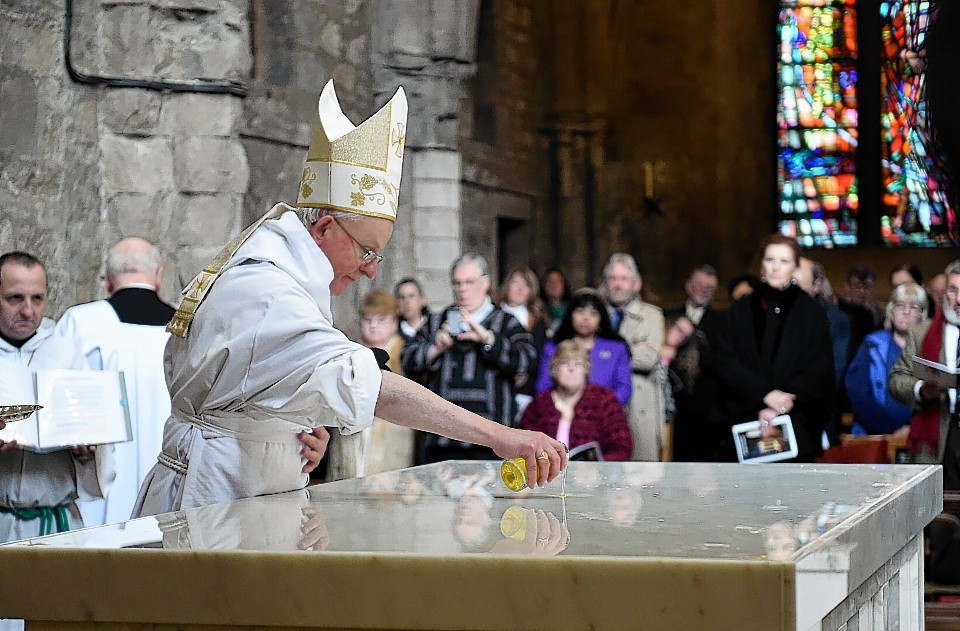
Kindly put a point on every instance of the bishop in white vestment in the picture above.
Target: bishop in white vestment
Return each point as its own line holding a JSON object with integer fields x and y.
{"x": 255, "y": 362}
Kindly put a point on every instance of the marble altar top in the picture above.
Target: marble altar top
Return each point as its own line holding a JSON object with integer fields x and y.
{"x": 685, "y": 525}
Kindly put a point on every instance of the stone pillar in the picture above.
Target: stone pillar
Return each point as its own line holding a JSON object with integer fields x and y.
{"x": 435, "y": 219}
{"x": 576, "y": 219}
{"x": 429, "y": 48}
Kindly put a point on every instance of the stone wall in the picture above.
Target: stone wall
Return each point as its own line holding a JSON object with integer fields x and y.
{"x": 535, "y": 128}
{"x": 49, "y": 152}
{"x": 163, "y": 164}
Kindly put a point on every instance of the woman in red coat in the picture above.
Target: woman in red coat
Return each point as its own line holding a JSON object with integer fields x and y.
{"x": 576, "y": 411}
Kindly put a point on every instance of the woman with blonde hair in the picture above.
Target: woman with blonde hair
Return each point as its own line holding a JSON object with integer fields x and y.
{"x": 876, "y": 411}
{"x": 378, "y": 326}
{"x": 576, "y": 411}
{"x": 774, "y": 356}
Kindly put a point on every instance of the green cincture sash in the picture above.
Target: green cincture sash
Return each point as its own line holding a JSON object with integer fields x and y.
{"x": 48, "y": 516}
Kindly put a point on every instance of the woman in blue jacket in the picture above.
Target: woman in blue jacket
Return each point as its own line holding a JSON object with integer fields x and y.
{"x": 875, "y": 409}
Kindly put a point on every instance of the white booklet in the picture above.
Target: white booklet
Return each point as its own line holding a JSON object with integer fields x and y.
{"x": 754, "y": 448}
{"x": 940, "y": 374}
{"x": 79, "y": 407}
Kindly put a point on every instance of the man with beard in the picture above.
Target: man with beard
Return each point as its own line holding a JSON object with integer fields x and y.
{"x": 934, "y": 434}
{"x": 642, "y": 326}
{"x": 935, "y": 426}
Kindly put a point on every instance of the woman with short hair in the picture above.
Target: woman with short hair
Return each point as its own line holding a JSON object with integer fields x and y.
{"x": 577, "y": 412}
{"x": 876, "y": 411}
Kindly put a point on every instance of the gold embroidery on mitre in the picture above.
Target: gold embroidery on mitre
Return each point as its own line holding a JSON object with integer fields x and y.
{"x": 365, "y": 184}
{"x": 397, "y": 139}
{"x": 308, "y": 176}
{"x": 368, "y": 159}
{"x": 367, "y": 145}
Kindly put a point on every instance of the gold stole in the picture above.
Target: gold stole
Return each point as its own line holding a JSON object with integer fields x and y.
{"x": 179, "y": 324}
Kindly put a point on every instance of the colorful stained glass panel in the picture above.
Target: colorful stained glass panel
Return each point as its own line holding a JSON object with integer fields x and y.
{"x": 817, "y": 119}
{"x": 915, "y": 210}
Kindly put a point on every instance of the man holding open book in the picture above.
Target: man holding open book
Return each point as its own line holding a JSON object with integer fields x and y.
{"x": 38, "y": 491}
{"x": 934, "y": 434}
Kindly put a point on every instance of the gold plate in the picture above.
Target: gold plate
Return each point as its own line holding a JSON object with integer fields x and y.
{"x": 10, "y": 413}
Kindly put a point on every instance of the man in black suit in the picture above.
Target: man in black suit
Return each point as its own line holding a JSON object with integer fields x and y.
{"x": 692, "y": 391}
{"x": 700, "y": 287}
{"x": 133, "y": 276}
{"x": 126, "y": 332}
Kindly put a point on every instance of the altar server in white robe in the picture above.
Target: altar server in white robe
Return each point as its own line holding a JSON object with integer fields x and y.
{"x": 255, "y": 363}
{"x": 38, "y": 492}
{"x": 126, "y": 333}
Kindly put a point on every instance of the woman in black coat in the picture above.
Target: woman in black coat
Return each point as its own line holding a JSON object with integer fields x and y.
{"x": 774, "y": 357}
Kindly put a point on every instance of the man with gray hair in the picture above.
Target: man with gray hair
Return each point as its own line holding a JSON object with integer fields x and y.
{"x": 642, "y": 326}
{"x": 935, "y": 425}
{"x": 255, "y": 366}
{"x": 126, "y": 333}
{"x": 473, "y": 354}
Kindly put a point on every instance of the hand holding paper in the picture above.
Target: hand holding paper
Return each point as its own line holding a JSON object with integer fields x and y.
{"x": 933, "y": 372}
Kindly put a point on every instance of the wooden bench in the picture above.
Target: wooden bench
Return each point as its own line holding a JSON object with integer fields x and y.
{"x": 944, "y": 615}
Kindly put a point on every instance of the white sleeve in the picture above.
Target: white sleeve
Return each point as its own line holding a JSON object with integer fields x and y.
{"x": 95, "y": 477}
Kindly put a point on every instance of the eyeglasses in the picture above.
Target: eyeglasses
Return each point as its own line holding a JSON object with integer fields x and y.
{"x": 467, "y": 282}
{"x": 369, "y": 256}
{"x": 572, "y": 363}
{"x": 908, "y": 306}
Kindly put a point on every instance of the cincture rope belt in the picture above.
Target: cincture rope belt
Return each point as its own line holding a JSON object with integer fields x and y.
{"x": 236, "y": 425}
{"x": 48, "y": 516}
{"x": 173, "y": 463}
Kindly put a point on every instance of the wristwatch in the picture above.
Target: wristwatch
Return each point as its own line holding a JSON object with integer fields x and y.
{"x": 487, "y": 347}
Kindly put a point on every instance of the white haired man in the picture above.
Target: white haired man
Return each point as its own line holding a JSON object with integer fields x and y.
{"x": 126, "y": 332}
{"x": 935, "y": 426}
{"x": 474, "y": 354}
{"x": 256, "y": 367}
{"x": 642, "y": 326}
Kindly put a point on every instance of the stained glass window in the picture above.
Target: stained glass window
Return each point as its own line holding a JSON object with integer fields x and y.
{"x": 915, "y": 210}
{"x": 817, "y": 118}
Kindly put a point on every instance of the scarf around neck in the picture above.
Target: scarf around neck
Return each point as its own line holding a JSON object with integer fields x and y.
{"x": 925, "y": 424}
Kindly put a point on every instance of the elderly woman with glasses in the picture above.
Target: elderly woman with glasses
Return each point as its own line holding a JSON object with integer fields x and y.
{"x": 876, "y": 411}
{"x": 575, "y": 411}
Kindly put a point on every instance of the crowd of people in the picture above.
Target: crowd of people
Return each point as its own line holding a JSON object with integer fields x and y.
{"x": 594, "y": 366}
{"x": 683, "y": 376}
{"x": 233, "y": 400}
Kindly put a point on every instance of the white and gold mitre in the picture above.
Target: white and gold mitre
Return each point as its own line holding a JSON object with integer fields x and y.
{"x": 355, "y": 169}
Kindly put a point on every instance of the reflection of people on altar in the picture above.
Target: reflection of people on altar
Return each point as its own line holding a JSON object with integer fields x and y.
{"x": 782, "y": 538}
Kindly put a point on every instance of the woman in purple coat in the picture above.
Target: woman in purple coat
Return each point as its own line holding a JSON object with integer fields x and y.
{"x": 587, "y": 322}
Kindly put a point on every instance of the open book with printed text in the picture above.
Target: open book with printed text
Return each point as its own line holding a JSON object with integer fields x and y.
{"x": 79, "y": 407}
